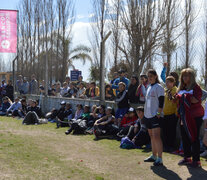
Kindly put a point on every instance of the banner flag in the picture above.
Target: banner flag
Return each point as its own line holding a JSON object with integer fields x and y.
{"x": 8, "y": 31}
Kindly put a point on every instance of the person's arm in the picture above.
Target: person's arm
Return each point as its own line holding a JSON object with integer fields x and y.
{"x": 197, "y": 95}
{"x": 97, "y": 91}
{"x": 161, "y": 98}
{"x": 123, "y": 122}
{"x": 10, "y": 108}
{"x": 163, "y": 74}
{"x": 99, "y": 120}
{"x": 115, "y": 84}
{"x": 144, "y": 90}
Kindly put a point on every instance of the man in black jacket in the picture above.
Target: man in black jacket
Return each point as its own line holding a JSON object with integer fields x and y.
{"x": 133, "y": 99}
{"x": 33, "y": 114}
{"x": 64, "y": 115}
{"x": 10, "y": 90}
{"x": 122, "y": 103}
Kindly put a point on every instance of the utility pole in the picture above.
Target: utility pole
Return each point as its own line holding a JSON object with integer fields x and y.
{"x": 102, "y": 68}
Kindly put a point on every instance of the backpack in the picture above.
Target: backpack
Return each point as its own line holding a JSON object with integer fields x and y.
{"x": 126, "y": 143}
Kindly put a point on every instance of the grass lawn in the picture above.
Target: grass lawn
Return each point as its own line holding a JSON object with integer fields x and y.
{"x": 45, "y": 153}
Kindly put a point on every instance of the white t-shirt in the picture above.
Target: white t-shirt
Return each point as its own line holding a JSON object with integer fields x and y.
{"x": 152, "y": 100}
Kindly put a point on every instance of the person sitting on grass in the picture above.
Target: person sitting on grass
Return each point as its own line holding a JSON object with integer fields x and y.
{"x": 128, "y": 120}
{"x": 15, "y": 109}
{"x": 33, "y": 114}
{"x": 105, "y": 125}
{"x": 138, "y": 133}
{"x": 24, "y": 106}
{"x": 5, "y": 105}
{"x": 78, "y": 112}
{"x": 64, "y": 116}
{"x": 51, "y": 116}
{"x": 80, "y": 125}
{"x": 122, "y": 103}
{"x": 142, "y": 89}
{"x": 97, "y": 113}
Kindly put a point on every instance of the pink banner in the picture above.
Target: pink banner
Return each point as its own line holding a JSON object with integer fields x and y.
{"x": 8, "y": 31}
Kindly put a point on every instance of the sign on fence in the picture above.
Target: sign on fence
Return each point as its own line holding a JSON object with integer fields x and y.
{"x": 75, "y": 74}
{"x": 8, "y": 31}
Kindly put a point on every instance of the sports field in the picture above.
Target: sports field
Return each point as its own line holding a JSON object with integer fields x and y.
{"x": 44, "y": 153}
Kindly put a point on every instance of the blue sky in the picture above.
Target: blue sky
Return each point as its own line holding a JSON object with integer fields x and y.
{"x": 83, "y": 7}
{"x": 80, "y": 29}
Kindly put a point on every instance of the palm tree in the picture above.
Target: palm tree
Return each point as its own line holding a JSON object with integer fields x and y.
{"x": 62, "y": 60}
{"x": 67, "y": 54}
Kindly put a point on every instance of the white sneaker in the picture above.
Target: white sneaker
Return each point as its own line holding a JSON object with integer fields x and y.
{"x": 204, "y": 154}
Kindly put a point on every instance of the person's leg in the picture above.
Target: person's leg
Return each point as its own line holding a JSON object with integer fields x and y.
{"x": 196, "y": 144}
{"x": 154, "y": 152}
{"x": 186, "y": 143}
{"x": 140, "y": 138}
{"x": 131, "y": 134}
{"x": 173, "y": 135}
{"x": 156, "y": 133}
{"x": 72, "y": 127}
{"x": 27, "y": 118}
{"x": 157, "y": 141}
{"x": 15, "y": 113}
{"x": 172, "y": 128}
{"x": 2, "y": 113}
{"x": 35, "y": 118}
{"x": 165, "y": 131}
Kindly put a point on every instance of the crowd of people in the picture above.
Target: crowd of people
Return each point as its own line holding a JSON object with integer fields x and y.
{"x": 147, "y": 114}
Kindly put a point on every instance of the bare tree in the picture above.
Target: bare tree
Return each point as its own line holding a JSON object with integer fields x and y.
{"x": 171, "y": 30}
{"x": 98, "y": 25}
{"x": 143, "y": 21}
{"x": 116, "y": 28}
{"x": 188, "y": 33}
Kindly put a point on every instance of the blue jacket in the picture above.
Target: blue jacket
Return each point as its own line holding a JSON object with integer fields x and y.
{"x": 5, "y": 106}
{"x": 15, "y": 106}
{"x": 117, "y": 81}
{"x": 163, "y": 74}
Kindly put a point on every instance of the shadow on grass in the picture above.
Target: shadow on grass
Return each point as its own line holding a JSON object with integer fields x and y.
{"x": 165, "y": 173}
{"x": 197, "y": 173}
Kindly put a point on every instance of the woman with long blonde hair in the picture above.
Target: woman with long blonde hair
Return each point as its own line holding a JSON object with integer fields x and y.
{"x": 191, "y": 113}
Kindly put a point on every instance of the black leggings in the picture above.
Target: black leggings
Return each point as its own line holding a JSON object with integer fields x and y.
{"x": 192, "y": 149}
{"x": 169, "y": 127}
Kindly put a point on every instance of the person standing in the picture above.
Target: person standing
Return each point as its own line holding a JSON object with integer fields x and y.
{"x": 133, "y": 99}
{"x": 191, "y": 114}
{"x": 170, "y": 115}
{"x": 10, "y": 90}
{"x": 33, "y": 86}
{"x": 153, "y": 109}
{"x": 142, "y": 89}
{"x": 121, "y": 78}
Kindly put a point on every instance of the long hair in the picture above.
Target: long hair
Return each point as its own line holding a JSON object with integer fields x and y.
{"x": 153, "y": 72}
{"x": 192, "y": 84}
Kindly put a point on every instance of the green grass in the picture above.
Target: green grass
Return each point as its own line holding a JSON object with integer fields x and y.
{"x": 43, "y": 152}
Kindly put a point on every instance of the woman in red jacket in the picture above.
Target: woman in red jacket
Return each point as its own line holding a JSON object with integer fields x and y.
{"x": 191, "y": 112}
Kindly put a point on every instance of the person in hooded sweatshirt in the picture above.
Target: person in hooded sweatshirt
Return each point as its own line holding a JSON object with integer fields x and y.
{"x": 122, "y": 103}
{"x": 133, "y": 99}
